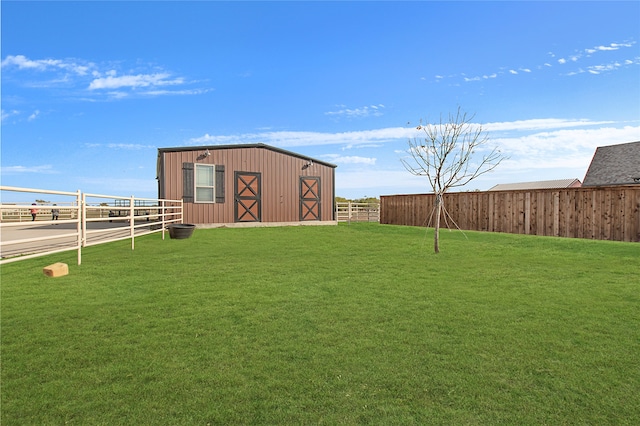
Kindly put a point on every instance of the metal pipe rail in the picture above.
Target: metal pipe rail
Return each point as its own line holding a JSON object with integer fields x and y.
{"x": 23, "y": 240}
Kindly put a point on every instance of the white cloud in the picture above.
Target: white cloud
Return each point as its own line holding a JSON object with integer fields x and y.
{"x": 566, "y": 161}
{"x": 24, "y": 63}
{"x": 540, "y": 123}
{"x": 11, "y": 170}
{"x": 554, "y": 154}
{"x": 289, "y": 139}
{"x": 175, "y": 92}
{"x": 133, "y": 81}
{"x": 118, "y": 95}
{"x": 129, "y": 146}
{"x": 377, "y": 137}
{"x": 120, "y": 146}
{"x": 544, "y": 148}
{"x": 341, "y": 159}
{"x": 361, "y": 145}
{"x": 575, "y": 58}
{"x": 6, "y": 114}
{"x": 597, "y": 69}
{"x": 376, "y": 182}
{"x": 537, "y": 149}
{"x": 365, "y": 111}
{"x": 34, "y": 115}
{"x": 602, "y": 48}
{"x": 612, "y": 46}
{"x": 84, "y": 80}
{"x": 468, "y": 79}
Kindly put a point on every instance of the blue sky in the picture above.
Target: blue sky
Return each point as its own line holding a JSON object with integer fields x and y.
{"x": 91, "y": 90}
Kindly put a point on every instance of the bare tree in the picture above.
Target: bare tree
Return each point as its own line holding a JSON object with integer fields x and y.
{"x": 450, "y": 154}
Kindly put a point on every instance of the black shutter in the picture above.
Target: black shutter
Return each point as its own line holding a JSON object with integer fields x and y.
{"x": 219, "y": 184}
{"x": 187, "y": 182}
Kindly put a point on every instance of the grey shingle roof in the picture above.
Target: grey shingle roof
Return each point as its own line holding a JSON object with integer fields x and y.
{"x": 542, "y": 184}
{"x": 614, "y": 165}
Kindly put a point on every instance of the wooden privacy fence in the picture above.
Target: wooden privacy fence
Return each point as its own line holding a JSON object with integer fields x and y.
{"x": 601, "y": 213}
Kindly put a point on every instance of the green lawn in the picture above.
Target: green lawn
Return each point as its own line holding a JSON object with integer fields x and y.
{"x": 358, "y": 324}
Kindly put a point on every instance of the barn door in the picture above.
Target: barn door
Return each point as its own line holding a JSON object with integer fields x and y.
{"x": 248, "y": 193}
{"x": 309, "y": 198}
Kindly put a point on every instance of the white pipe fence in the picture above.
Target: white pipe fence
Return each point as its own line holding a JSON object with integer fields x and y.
{"x": 85, "y": 220}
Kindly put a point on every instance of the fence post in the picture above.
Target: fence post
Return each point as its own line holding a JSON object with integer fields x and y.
{"x": 556, "y": 214}
{"x": 527, "y": 213}
{"x": 132, "y": 221}
{"x": 349, "y": 214}
{"x": 163, "y": 211}
{"x": 79, "y": 224}
{"x": 83, "y": 215}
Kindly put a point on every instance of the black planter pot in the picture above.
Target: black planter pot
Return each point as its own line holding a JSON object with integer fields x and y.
{"x": 180, "y": 231}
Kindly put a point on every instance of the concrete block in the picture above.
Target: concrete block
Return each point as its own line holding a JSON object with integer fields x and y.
{"x": 56, "y": 270}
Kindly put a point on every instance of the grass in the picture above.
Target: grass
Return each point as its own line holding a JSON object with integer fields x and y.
{"x": 358, "y": 324}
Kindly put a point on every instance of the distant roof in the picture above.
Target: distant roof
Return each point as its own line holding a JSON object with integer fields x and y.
{"x": 542, "y": 184}
{"x": 614, "y": 165}
{"x": 249, "y": 145}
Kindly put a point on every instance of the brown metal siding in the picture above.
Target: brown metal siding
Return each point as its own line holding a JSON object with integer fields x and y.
{"x": 280, "y": 183}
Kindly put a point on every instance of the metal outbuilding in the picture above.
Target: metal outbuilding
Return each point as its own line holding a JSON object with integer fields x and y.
{"x": 247, "y": 184}
{"x": 541, "y": 184}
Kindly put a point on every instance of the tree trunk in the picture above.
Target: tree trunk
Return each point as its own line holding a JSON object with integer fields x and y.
{"x": 436, "y": 236}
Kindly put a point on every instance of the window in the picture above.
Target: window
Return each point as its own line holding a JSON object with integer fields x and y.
{"x": 205, "y": 183}
{"x": 202, "y": 183}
